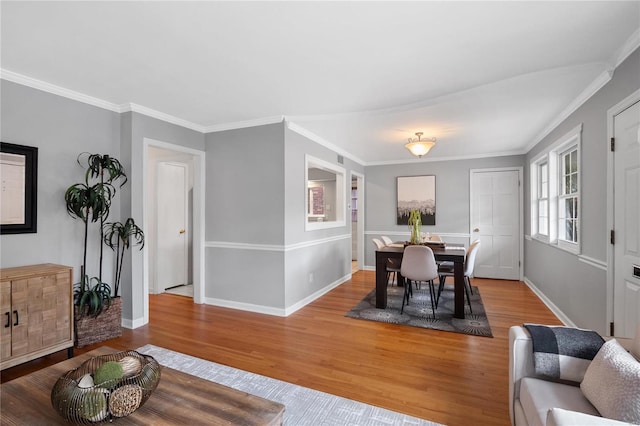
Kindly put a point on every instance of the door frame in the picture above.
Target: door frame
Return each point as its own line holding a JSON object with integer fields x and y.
{"x": 185, "y": 213}
{"x": 611, "y": 113}
{"x": 360, "y": 227}
{"x": 198, "y": 263}
{"x": 520, "y": 209}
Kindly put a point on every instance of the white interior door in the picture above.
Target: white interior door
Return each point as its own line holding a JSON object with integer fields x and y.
{"x": 171, "y": 225}
{"x": 626, "y": 221}
{"x": 496, "y": 221}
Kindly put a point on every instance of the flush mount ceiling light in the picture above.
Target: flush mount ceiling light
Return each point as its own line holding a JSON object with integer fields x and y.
{"x": 419, "y": 146}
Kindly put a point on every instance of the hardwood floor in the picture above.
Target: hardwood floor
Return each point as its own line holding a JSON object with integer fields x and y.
{"x": 450, "y": 378}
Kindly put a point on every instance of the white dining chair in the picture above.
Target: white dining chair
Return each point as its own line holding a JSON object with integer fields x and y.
{"x": 445, "y": 271}
{"x": 418, "y": 265}
{"x": 386, "y": 240}
{"x": 393, "y": 265}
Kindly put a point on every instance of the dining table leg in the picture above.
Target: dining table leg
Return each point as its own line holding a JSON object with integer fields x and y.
{"x": 381, "y": 280}
{"x": 458, "y": 288}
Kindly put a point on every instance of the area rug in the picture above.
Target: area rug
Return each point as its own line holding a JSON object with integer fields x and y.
{"x": 303, "y": 406}
{"x": 418, "y": 312}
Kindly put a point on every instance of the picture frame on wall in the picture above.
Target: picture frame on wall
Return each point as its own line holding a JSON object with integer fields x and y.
{"x": 416, "y": 193}
{"x": 19, "y": 170}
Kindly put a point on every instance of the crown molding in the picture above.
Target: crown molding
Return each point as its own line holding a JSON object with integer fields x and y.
{"x": 243, "y": 124}
{"x": 58, "y": 90}
{"x": 90, "y": 100}
{"x": 321, "y": 141}
{"x": 584, "y": 96}
{"x": 629, "y": 46}
{"x": 451, "y": 158}
{"x": 131, "y": 107}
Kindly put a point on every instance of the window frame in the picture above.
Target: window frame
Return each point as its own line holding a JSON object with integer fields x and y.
{"x": 554, "y": 157}
{"x": 340, "y": 194}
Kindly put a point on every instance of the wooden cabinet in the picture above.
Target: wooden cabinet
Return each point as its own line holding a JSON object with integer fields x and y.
{"x": 37, "y": 312}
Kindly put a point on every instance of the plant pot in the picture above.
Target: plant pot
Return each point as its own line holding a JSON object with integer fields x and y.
{"x": 90, "y": 329}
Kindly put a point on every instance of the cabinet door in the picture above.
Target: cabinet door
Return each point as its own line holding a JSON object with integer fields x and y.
{"x": 5, "y": 327}
{"x": 19, "y": 317}
{"x": 56, "y": 309}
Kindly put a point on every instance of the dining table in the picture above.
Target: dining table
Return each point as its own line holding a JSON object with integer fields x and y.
{"x": 454, "y": 253}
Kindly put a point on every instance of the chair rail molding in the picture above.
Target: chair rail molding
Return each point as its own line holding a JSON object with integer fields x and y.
{"x": 275, "y": 247}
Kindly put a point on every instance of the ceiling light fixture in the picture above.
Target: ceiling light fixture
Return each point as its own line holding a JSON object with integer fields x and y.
{"x": 419, "y": 146}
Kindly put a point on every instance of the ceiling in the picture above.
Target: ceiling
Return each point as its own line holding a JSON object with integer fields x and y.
{"x": 484, "y": 78}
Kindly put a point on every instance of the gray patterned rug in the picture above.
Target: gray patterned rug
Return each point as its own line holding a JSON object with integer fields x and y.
{"x": 418, "y": 312}
{"x": 303, "y": 406}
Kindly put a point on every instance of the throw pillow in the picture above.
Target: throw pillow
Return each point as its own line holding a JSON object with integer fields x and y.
{"x": 563, "y": 353}
{"x": 612, "y": 383}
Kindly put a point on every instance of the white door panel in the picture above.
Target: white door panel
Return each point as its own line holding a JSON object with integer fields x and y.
{"x": 172, "y": 225}
{"x": 626, "y": 221}
{"x": 495, "y": 220}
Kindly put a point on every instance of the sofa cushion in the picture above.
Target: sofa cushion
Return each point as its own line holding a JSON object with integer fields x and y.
{"x": 538, "y": 396}
{"x": 560, "y": 417}
{"x": 612, "y": 383}
{"x": 563, "y": 353}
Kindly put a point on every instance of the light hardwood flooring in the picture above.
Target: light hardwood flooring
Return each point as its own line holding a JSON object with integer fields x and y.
{"x": 445, "y": 377}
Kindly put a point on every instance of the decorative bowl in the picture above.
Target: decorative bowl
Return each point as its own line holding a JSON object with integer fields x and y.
{"x": 122, "y": 388}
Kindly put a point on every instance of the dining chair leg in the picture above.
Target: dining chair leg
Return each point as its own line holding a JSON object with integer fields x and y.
{"x": 405, "y": 296}
{"x": 467, "y": 286}
{"x": 442, "y": 279}
{"x": 432, "y": 292}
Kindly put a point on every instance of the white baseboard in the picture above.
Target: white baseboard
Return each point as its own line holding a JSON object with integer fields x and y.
{"x": 557, "y": 311}
{"x": 301, "y": 304}
{"x": 131, "y": 324}
{"x": 270, "y": 310}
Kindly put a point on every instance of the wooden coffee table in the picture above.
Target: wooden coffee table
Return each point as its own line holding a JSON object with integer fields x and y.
{"x": 180, "y": 398}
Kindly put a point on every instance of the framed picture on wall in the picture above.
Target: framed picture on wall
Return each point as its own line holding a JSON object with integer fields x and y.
{"x": 19, "y": 173}
{"x": 416, "y": 193}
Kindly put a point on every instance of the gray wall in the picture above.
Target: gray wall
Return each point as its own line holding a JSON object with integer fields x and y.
{"x": 138, "y": 127}
{"x": 244, "y": 217}
{"x": 61, "y": 129}
{"x": 452, "y": 198}
{"x": 317, "y": 259}
{"x": 578, "y": 288}
{"x": 258, "y": 254}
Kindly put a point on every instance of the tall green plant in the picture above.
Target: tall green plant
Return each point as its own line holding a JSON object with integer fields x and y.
{"x": 90, "y": 201}
{"x": 119, "y": 237}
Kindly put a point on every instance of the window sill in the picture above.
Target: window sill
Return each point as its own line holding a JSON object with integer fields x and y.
{"x": 560, "y": 245}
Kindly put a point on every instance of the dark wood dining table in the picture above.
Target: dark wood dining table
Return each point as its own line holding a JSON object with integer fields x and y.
{"x": 451, "y": 253}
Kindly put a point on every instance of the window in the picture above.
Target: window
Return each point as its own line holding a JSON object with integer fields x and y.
{"x": 568, "y": 212}
{"x": 555, "y": 189}
{"x": 543, "y": 198}
{"x": 325, "y": 194}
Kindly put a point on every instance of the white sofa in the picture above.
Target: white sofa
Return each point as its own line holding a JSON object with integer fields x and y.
{"x": 534, "y": 401}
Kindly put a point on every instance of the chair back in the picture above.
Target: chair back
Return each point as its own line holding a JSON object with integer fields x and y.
{"x": 386, "y": 240}
{"x": 471, "y": 258}
{"x": 376, "y": 242}
{"x": 418, "y": 264}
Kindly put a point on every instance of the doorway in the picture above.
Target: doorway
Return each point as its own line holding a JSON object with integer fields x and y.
{"x": 624, "y": 192}
{"x": 496, "y": 220}
{"x": 357, "y": 222}
{"x": 169, "y": 200}
{"x": 173, "y": 212}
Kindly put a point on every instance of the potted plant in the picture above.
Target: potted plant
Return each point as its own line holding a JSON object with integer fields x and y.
{"x": 415, "y": 222}
{"x": 98, "y": 312}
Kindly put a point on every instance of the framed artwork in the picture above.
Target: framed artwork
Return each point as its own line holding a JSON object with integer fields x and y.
{"x": 19, "y": 172}
{"x": 416, "y": 193}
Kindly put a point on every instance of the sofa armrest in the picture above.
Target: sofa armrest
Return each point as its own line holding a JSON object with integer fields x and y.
{"x": 520, "y": 363}
{"x": 560, "y": 417}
